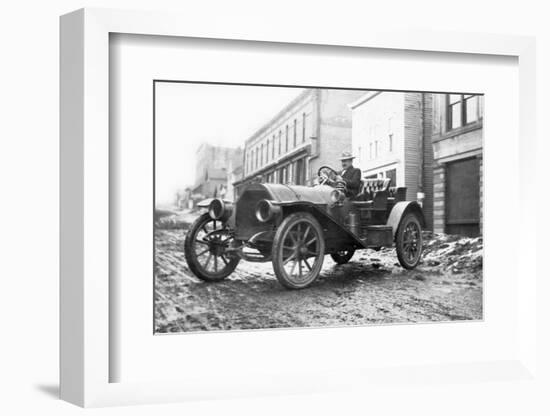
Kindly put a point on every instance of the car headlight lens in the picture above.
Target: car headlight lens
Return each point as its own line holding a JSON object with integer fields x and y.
{"x": 337, "y": 196}
{"x": 219, "y": 210}
{"x": 266, "y": 211}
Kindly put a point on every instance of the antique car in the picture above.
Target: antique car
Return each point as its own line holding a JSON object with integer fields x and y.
{"x": 294, "y": 227}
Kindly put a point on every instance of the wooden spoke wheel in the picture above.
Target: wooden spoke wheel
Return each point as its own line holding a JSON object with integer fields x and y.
{"x": 298, "y": 251}
{"x": 409, "y": 241}
{"x": 342, "y": 256}
{"x": 205, "y": 249}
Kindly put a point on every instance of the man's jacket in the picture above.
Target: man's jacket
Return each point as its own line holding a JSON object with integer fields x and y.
{"x": 352, "y": 177}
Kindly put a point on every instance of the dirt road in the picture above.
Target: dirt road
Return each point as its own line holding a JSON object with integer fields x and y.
{"x": 371, "y": 289}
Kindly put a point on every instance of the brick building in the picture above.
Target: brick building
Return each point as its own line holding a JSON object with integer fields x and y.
{"x": 311, "y": 131}
{"x": 392, "y": 138}
{"x": 211, "y": 170}
{"x": 458, "y": 163}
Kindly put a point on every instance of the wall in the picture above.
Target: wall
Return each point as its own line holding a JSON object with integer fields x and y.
{"x": 428, "y": 163}
{"x": 304, "y": 104}
{"x": 334, "y": 128}
{"x": 412, "y": 143}
{"x": 460, "y": 143}
{"x": 374, "y": 120}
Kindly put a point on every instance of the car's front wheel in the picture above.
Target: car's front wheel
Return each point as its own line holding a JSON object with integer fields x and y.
{"x": 298, "y": 250}
{"x": 206, "y": 247}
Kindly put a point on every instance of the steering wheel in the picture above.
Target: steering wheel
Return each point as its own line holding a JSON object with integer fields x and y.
{"x": 330, "y": 177}
{"x": 327, "y": 174}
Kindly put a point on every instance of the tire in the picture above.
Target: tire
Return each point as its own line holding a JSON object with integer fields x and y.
{"x": 408, "y": 241}
{"x": 298, "y": 240}
{"x": 342, "y": 257}
{"x": 206, "y": 257}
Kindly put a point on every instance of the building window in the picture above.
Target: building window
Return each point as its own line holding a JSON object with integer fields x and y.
{"x": 303, "y": 127}
{"x": 294, "y": 131}
{"x": 370, "y": 150}
{"x": 280, "y": 138}
{"x": 392, "y": 175}
{"x": 273, "y": 148}
{"x": 471, "y": 107}
{"x": 376, "y": 148}
{"x": 286, "y": 138}
{"x": 390, "y": 134}
{"x": 284, "y": 175}
{"x": 300, "y": 173}
{"x": 462, "y": 109}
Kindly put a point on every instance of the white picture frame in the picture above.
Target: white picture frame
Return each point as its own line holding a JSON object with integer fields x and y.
{"x": 85, "y": 265}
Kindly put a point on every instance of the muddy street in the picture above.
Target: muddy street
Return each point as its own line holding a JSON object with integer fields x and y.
{"x": 371, "y": 289}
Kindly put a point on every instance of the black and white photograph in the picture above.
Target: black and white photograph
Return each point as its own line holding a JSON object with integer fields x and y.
{"x": 292, "y": 207}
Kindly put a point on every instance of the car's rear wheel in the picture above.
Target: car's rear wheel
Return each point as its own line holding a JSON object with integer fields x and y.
{"x": 408, "y": 241}
{"x": 205, "y": 249}
{"x": 342, "y": 256}
{"x": 298, "y": 250}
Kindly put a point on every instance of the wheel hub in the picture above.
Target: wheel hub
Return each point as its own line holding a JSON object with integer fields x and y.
{"x": 302, "y": 251}
{"x": 217, "y": 246}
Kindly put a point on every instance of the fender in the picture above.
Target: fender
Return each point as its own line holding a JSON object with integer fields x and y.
{"x": 401, "y": 209}
{"x": 320, "y": 214}
{"x": 205, "y": 203}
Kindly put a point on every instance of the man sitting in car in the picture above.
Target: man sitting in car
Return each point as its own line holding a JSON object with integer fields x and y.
{"x": 350, "y": 175}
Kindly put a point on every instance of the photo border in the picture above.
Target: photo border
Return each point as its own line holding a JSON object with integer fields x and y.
{"x": 243, "y": 84}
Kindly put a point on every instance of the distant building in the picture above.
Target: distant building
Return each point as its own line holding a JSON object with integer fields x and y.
{"x": 311, "y": 131}
{"x": 235, "y": 174}
{"x": 458, "y": 169}
{"x": 183, "y": 198}
{"x": 211, "y": 170}
{"x": 392, "y": 138}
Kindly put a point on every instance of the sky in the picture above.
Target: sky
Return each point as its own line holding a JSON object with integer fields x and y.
{"x": 190, "y": 114}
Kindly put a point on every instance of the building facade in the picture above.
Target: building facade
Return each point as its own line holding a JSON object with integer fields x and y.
{"x": 211, "y": 171}
{"x": 392, "y": 138}
{"x": 458, "y": 163}
{"x": 234, "y": 174}
{"x": 311, "y": 131}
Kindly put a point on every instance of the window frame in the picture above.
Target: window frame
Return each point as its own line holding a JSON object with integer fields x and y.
{"x": 294, "y": 132}
{"x": 462, "y": 102}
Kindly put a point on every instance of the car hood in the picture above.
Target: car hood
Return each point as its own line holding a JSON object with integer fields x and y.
{"x": 279, "y": 193}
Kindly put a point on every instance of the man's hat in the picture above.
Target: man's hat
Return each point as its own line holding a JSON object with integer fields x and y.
{"x": 347, "y": 156}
